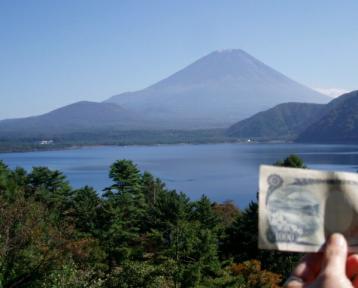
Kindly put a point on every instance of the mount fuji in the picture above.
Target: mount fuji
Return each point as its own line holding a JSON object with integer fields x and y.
{"x": 215, "y": 91}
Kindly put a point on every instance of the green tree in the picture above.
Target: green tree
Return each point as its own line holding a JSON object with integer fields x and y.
{"x": 84, "y": 204}
{"x": 122, "y": 213}
{"x": 12, "y": 182}
{"x": 242, "y": 240}
{"x": 71, "y": 276}
{"x": 50, "y": 187}
{"x": 31, "y": 244}
{"x": 152, "y": 187}
{"x": 242, "y": 236}
{"x": 292, "y": 161}
{"x": 127, "y": 190}
{"x": 126, "y": 177}
{"x": 186, "y": 235}
{"x": 135, "y": 274}
{"x": 161, "y": 219}
{"x": 202, "y": 211}
{"x": 138, "y": 234}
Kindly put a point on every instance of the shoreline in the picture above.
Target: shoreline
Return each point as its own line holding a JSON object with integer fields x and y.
{"x": 51, "y": 147}
{"x": 68, "y": 146}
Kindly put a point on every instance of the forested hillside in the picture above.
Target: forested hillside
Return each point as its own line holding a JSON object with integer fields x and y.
{"x": 137, "y": 234}
{"x": 335, "y": 122}
{"x": 338, "y": 125}
{"x": 282, "y": 122}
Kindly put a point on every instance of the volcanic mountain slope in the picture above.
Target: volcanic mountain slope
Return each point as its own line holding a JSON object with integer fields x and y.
{"x": 216, "y": 91}
{"x": 79, "y": 116}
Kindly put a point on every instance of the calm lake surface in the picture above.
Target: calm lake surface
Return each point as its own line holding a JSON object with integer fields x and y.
{"x": 221, "y": 171}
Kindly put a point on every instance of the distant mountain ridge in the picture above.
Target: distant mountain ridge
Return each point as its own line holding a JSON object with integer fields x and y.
{"x": 282, "y": 122}
{"x": 335, "y": 122}
{"x": 338, "y": 125}
{"x": 79, "y": 116}
{"x": 216, "y": 91}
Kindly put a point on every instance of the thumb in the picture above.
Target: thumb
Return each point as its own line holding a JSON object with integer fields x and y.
{"x": 335, "y": 255}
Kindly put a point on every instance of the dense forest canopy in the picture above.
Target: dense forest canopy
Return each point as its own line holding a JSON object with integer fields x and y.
{"x": 136, "y": 234}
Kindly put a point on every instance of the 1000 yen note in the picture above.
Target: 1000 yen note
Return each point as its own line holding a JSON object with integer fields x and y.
{"x": 300, "y": 208}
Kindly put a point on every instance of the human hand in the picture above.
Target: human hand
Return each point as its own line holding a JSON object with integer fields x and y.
{"x": 331, "y": 269}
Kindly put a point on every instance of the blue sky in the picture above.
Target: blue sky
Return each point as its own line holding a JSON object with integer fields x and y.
{"x": 54, "y": 53}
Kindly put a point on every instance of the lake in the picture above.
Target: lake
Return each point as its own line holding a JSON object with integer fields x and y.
{"x": 220, "y": 171}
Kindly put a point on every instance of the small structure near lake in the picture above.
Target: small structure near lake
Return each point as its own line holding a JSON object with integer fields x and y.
{"x": 46, "y": 142}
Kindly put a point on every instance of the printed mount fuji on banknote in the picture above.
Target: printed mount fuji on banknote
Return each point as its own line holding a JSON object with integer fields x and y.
{"x": 300, "y": 208}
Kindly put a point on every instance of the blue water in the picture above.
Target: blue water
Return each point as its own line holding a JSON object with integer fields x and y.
{"x": 221, "y": 171}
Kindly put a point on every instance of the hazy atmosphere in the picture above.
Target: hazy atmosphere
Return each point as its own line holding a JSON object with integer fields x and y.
{"x": 56, "y": 53}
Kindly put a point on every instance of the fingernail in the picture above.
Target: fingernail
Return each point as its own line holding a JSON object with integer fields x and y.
{"x": 337, "y": 239}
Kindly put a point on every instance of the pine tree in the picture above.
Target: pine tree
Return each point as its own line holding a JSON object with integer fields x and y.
{"x": 123, "y": 212}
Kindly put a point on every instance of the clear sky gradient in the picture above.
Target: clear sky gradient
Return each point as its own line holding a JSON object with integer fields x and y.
{"x": 54, "y": 53}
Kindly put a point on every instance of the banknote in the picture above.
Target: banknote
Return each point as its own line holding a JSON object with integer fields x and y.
{"x": 300, "y": 208}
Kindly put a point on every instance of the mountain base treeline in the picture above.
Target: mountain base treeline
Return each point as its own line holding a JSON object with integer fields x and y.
{"x": 136, "y": 234}
{"x": 106, "y": 137}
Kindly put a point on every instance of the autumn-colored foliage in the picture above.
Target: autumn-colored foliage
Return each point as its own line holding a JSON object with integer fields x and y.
{"x": 227, "y": 212}
{"x": 256, "y": 277}
{"x": 137, "y": 233}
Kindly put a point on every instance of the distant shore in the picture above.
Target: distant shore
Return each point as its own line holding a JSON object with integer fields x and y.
{"x": 113, "y": 138}
{"x": 84, "y": 145}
